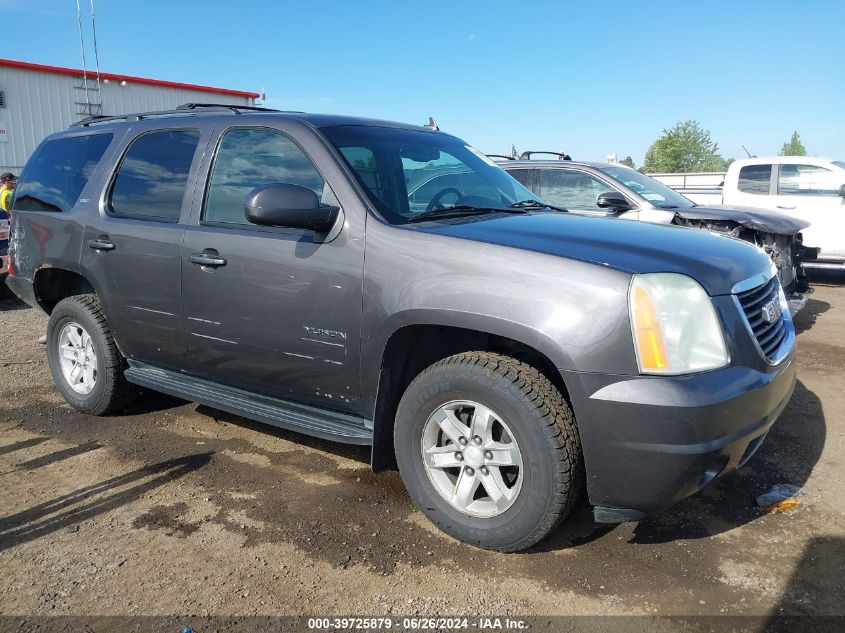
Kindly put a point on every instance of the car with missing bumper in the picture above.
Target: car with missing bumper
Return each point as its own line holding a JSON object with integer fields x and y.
{"x": 504, "y": 356}
{"x": 617, "y": 191}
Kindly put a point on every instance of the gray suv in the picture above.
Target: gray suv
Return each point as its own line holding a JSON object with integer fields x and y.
{"x": 501, "y": 354}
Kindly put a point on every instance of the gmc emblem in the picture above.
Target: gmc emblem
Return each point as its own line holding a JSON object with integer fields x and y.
{"x": 771, "y": 311}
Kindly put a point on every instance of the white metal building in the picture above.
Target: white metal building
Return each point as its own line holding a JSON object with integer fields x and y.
{"x": 37, "y": 100}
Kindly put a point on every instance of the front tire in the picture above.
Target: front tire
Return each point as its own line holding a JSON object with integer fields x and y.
{"x": 488, "y": 450}
{"x": 86, "y": 365}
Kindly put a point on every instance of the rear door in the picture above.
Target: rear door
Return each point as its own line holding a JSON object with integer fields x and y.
{"x": 811, "y": 192}
{"x": 280, "y": 313}
{"x": 132, "y": 245}
{"x": 754, "y": 187}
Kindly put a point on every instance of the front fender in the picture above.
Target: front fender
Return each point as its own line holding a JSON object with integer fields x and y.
{"x": 573, "y": 312}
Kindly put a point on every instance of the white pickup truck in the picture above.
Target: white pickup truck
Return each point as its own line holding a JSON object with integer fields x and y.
{"x": 809, "y": 188}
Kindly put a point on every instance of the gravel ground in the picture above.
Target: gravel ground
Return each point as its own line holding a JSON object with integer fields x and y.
{"x": 178, "y": 509}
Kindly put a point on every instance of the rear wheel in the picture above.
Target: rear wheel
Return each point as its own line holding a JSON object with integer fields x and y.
{"x": 488, "y": 450}
{"x": 84, "y": 360}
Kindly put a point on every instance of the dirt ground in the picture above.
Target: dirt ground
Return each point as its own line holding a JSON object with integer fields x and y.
{"x": 179, "y": 509}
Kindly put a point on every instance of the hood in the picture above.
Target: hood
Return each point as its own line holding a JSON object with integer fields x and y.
{"x": 756, "y": 219}
{"x": 717, "y": 262}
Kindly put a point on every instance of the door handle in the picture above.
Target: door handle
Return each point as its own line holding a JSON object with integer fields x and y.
{"x": 209, "y": 258}
{"x": 101, "y": 244}
{"x": 783, "y": 206}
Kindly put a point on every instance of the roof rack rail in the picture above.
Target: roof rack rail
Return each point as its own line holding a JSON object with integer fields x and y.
{"x": 500, "y": 156}
{"x": 199, "y": 106}
{"x": 186, "y": 109}
{"x": 560, "y": 155}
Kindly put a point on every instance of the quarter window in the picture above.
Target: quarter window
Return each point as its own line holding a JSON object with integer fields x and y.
{"x": 248, "y": 158}
{"x": 58, "y": 172}
{"x": 807, "y": 180}
{"x": 571, "y": 189}
{"x": 152, "y": 178}
{"x": 755, "y": 179}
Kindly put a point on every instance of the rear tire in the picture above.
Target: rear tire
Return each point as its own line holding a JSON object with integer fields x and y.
{"x": 524, "y": 474}
{"x": 86, "y": 365}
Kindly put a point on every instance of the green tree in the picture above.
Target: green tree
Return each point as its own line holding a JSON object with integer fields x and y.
{"x": 628, "y": 161}
{"x": 794, "y": 147}
{"x": 685, "y": 147}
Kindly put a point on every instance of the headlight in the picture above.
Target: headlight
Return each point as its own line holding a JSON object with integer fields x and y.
{"x": 675, "y": 327}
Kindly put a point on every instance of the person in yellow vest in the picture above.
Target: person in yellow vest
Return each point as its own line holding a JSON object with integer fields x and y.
{"x": 7, "y": 190}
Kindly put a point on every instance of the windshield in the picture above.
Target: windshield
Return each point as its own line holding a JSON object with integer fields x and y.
{"x": 839, "y": 163}
{"x": 655, "y": 192}
{"x": 409, "y": 172}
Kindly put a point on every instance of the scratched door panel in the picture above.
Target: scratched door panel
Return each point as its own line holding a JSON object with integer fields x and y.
{"x": 279, "y": 317}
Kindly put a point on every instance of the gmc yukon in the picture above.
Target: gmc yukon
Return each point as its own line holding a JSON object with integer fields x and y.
{"x": 502, "y": 354}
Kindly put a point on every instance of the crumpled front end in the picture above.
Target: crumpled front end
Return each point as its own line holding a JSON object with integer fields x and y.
{"x": 786, "y": 250}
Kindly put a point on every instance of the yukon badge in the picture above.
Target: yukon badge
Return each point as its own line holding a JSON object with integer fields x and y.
{"x": 771, "y": 311}
{"x": 318, "y": 331}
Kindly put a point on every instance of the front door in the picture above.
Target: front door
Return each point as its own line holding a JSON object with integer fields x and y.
{"x": 811, "y": 192}
{"x": 278, "y": 310}
{"x": 574, "y": 190}
{"x": 132, "y": 247}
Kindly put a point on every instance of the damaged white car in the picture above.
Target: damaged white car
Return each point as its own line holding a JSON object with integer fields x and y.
{"x": 616, "y": 191}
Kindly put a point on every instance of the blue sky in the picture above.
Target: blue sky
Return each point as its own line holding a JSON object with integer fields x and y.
{"x": 585, "y": 77}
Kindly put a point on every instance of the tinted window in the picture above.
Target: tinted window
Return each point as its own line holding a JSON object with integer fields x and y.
{"x": 755, "y": 179}
{"x": 571, "y": 189}
{"x": 153, "y": 176}
{"x": 808, "y": 180}
{"x": 58, "y": 172}
{"x": 248, "y": 158}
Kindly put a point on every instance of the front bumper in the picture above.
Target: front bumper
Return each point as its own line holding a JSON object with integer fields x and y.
{"x": 649, "y": 441}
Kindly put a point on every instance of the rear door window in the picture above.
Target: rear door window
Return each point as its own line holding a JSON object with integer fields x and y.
{"x": 151, "y": 181}
{"x": 58, "y": 171}
{"x": 755, "y": 179}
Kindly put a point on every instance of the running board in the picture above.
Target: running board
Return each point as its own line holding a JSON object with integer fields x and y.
{"x": 329, "y": 425}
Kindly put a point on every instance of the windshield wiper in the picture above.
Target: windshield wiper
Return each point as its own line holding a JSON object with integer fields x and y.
{"x": 463, "y": 209}
{"x": 536, "y": 204}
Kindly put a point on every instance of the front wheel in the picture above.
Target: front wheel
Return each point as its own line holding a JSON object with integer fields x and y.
{"x": 488, "y": 449}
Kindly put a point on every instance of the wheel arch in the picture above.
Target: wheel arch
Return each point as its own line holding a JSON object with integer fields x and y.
{"x": 415, "y": 346}
{"x": 51, "y": 285}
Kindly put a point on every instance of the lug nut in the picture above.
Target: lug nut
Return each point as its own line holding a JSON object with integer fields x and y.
{"x": 459, "y": 456}
{"x": 484, "y": 470}
{"x": 488, "y": 454}
{"x": 470, "y": 471}
{"x": 476, "y": 439}
{"x": 462, "y": 441}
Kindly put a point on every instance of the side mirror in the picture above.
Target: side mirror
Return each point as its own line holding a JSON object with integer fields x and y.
{"x": 842, "y": 191}
{"x": 612, "y": 200}
{"x": 291, "y": 206}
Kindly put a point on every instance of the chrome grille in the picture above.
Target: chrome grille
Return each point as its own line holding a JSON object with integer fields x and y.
{"x": 769, "y": 335}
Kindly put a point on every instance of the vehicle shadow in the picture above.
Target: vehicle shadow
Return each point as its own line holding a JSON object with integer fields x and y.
{"x": 813, "y": 598}
{"x": 827, "y": 277}
{"x": 151, "y": 402}
{"x": 806, "y": 319}
{"x": 788, "y": 455}
{"x": 9, "y": 302}
{"x": 90, "y": 501}
{"x": 349, "y": 451}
